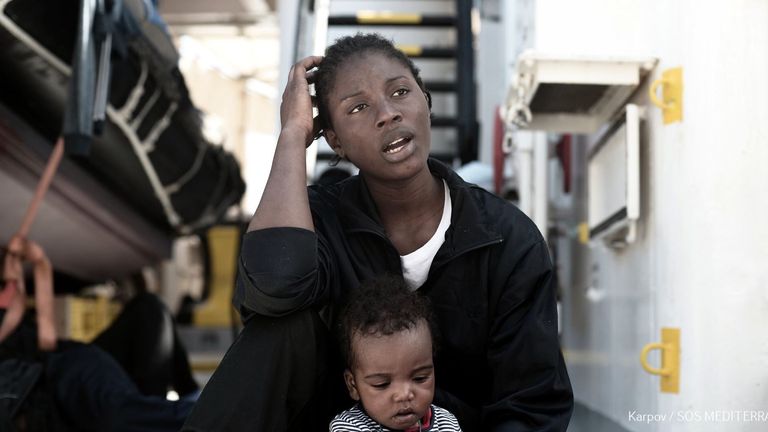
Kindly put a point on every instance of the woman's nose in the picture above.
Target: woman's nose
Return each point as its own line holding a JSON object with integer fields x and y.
{"x": 388, "y": 114}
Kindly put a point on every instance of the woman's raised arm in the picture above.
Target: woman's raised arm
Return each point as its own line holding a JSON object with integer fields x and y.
{"x": 284, "y": 202}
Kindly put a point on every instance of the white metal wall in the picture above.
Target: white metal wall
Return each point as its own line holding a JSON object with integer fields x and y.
{"x": 699, "y": 262}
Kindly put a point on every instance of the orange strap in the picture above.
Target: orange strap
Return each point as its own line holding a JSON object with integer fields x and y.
{"x": 20, "y": 250}
{"x": 13, "y": 292}
{"x": 42, "y": 187}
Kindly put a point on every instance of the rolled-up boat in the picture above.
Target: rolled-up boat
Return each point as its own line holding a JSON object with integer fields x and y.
{"x": 148, "y": 176}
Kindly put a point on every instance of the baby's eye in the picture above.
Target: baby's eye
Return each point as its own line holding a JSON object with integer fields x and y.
{"x": 357, "y": 108}
{"x": 380, "y": 386}
{"x": 400, "y": 92}
{"x": 421, "y": 378}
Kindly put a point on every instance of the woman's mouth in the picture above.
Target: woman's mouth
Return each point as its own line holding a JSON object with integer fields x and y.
{"x": 397, "y": 145}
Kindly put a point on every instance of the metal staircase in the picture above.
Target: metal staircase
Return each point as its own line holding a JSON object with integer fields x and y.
{"x": 437, "y": 35}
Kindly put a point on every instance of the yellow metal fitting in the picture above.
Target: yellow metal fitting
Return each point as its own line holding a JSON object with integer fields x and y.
{"x": 410, "y": 50}
{"x": 583, "y": 233}
{"x": 670, "y": 360}
{"x": 385, "y": 17}
{"x": 671, "y": 83}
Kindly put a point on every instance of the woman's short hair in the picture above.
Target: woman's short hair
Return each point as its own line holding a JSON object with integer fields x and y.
{"x": 350, "y": 47}
{"x": 381, "y": 307}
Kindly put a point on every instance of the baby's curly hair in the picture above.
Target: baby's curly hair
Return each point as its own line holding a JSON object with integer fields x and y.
{"x": 381, "y": 307}
{"x": 350, "y": 47}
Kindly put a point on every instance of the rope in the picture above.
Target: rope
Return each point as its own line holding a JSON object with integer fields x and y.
{"x": 21, "y": 250}
{"x": 42, "y": 187}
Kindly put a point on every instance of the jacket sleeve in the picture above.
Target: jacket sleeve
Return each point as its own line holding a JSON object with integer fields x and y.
{"x": 530, "y": 386}
{"x": 280, "y": 271}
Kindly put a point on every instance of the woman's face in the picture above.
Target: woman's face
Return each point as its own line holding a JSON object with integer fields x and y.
{"x": 380, "y": 117}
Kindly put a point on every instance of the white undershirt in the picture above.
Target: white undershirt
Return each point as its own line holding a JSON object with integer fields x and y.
{"x": 417, "y": 263}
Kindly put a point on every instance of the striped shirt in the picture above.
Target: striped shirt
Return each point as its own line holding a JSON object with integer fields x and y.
{"x": 355, "y": 420}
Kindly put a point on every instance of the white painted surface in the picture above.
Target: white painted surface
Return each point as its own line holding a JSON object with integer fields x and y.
{"x": 699, "y": 261}
{"x": 540, "y": 214}
{"x": 607, "y": 178}
{"x": 523, "y": 158}
{"x": 491, "y": 83}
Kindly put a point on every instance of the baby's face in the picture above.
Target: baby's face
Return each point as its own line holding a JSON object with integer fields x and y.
{"x": 394, "y": 376}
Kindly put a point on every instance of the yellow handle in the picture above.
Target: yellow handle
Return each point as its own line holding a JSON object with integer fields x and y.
{"x": 663, "y": 371}
{"x": 670, "y": 360}
{"x": 652, "y": 93}
{"x": 583, "y": 233}
{"x": 410, "y": 50}
{"x": 386, "y": 17}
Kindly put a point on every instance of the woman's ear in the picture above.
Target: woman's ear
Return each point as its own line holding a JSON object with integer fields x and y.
{"x": 349, "y": 380}
{"x": 333, "y": 141}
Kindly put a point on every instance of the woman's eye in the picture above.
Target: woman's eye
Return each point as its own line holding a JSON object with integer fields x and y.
{"x": 400, "y": 92}
{"x": 357, "y": 108}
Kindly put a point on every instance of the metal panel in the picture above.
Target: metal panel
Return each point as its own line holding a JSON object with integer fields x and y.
{"x": 614, "y": 179}
{"x": 572, "y": 94}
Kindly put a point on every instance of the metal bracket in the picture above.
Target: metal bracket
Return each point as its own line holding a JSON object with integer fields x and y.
{"x": 671, "y": 104}
{"x": 670, "y": 360}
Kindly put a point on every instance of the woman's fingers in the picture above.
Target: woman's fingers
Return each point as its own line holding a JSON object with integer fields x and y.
{"x": 297, "y": 104}
{"x": 300, "y": 70}
{"x": 301, "y": 74}
{"x": 309, "y": 62}
{"x": 305, "y": 69}
{"x": 311, "y": 75}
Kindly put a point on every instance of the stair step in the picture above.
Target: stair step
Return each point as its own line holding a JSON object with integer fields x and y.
{"x": 439, "y": 121}
{"x": 415, "y": 51}
{"x": 410, "y": 25}
{"x": 371, "y": 18}
{"x": 440, "y": 86}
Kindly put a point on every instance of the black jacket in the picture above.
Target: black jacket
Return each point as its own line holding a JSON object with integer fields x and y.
{"x": 491, "y": 285}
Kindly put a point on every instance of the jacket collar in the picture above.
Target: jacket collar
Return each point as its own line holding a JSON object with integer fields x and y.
{"x": 471, "y": 225}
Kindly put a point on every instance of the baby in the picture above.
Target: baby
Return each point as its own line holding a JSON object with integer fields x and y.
{"x": 386, "y": 338}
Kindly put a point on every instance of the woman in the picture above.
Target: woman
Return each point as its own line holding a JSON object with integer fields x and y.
{"x": 483, "y": 264}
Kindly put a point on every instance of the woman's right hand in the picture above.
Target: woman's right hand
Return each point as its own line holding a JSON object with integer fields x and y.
{"x": 296, "y": 107}
{"x": 284, "y": 202}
